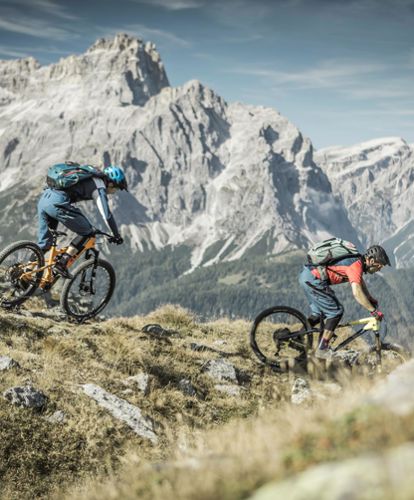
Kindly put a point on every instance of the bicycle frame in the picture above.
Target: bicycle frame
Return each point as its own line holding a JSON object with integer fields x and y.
{"x": 48, "y": 279}
{"x": 370, "y": 324}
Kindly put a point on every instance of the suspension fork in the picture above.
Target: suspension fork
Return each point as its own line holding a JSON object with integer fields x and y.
{"x": 378, "y": 351}
{"x": 88, "y": 255}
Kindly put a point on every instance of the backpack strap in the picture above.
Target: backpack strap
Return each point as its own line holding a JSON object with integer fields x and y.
{"x": 323, "y": 273}
{"x": 325, "y": 268}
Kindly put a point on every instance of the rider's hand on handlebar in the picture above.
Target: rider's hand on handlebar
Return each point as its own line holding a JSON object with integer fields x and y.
{"x": 377, "y": 314}
{"x": 118, "y": 240}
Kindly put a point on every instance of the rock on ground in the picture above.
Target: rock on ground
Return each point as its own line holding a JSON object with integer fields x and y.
{"x": 221, "y": 369}
{"x": 396, "y": 392}
{"x": 141, "y": 380}
{"x": 58, "y": 417}
{"x": 301, "y": 392}
{"x": 370, "y": 477}
{"x": 7, "y": 363}
{"x": 27, "y": 397}
{"x": 187, "y": 388}
{"x": 122, "y": 410}
{"x": 229, "y": 389}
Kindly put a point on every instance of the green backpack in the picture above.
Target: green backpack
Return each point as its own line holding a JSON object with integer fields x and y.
{"x": 330, "y": 251}
{"x": 65, "y": 175}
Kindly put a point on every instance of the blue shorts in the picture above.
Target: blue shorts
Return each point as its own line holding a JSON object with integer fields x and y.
{"x": 55, "y": 206}
{"x": 322, "y": 299}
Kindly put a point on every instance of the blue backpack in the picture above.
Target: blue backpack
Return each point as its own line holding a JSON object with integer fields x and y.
{"x": 65, "y": 175}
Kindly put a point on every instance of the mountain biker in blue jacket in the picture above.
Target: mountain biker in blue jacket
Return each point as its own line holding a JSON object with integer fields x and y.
{"x": 56, "y": 206}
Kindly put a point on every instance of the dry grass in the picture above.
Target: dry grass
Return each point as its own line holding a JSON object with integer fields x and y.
{"x": 211, "y": 446}
{"x": 234, "y": 460}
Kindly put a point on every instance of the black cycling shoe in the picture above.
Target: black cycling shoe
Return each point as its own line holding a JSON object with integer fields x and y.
{"x": 60, "y": 269}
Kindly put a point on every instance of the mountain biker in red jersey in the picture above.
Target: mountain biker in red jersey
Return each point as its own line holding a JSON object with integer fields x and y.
{"x": 322, "y": 299}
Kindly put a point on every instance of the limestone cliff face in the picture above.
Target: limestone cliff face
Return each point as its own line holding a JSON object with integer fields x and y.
{"x": 375, "y": 181}
{"x": 119, "y": 71}
{"x": 222, "y": 178}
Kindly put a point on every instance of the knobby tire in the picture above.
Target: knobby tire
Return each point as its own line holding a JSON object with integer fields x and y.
{"x": 302, "y": 342}
{"x": 69, "y": 305}
{"x": 34, "y": 283}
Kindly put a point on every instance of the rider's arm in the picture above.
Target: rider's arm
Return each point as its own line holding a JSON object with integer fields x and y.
{"x": 101, "y": 199}
{"x": 361, "y": 297}
{"x": 365, "y": 290}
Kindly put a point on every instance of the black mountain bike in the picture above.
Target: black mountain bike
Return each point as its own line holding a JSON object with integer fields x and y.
{"x": 281, "y": 337}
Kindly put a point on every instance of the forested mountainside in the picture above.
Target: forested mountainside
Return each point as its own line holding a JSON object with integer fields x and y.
{"x": 242, "y": 288}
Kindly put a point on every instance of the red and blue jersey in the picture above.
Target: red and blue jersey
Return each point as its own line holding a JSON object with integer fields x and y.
{"x": 346, "y": 270}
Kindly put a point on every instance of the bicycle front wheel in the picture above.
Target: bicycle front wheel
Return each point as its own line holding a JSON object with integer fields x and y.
{"x": 280, "y": 336}
{"x": 392, "y": 355}
{"x": 18, "y": 279}
{"x": 89, "y": 291}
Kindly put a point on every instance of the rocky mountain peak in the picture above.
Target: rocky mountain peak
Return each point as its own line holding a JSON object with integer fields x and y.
{"x": 121, "y": 41}
{"x": 15, "y": 76}
{"x": 119, "y": 71}
{"x": 221, "y": 178}
{"x": 128, "y": 45}
{"x": 375, "y": 180}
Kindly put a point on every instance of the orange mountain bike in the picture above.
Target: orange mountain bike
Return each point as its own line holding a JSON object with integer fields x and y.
{"x": 23, "y": 270}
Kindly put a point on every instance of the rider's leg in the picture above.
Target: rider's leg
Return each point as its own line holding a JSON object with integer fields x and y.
{"x": 46, "y": 222}
{"x": 75, "y": 247}
{"x": 330, "y": 325}
{"x": 75, "y": 221}
{"x": 322, "y": 301}
{"x": 314, "y": 319}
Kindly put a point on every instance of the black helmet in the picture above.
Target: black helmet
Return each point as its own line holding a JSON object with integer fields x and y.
{"x": 377, "y": 253}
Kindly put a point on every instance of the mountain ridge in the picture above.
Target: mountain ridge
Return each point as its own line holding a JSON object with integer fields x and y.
{"x": 201, "y": 172}
{"x": 375, "y": 182}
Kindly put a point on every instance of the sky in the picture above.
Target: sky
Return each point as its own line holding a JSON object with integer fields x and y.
{"x": 341, "y": 70}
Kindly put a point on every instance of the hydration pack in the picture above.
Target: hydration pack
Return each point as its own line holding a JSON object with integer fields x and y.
{"x": 65, "y": 175}
{"x": 328, "y": 252}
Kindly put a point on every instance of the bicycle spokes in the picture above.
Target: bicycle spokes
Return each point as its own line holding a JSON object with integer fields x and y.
{"x": 19, "y": 272}
{"x": 279, "y": 337}
{"x": 89, "y": 290}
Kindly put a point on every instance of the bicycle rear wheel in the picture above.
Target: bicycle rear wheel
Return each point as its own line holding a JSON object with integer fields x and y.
{"x": 89, "y": 291}
{"x": 279, "y": 336}
{"x": 17, "y": 279}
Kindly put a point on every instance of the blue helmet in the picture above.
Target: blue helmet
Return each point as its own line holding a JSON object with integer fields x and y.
{"x": 116, "y": 176}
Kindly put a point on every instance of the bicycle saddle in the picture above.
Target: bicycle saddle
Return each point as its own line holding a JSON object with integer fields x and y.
{"x": 57, "y": 233}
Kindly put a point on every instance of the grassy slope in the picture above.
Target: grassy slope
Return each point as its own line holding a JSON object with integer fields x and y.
{"x": 211, "y": 446}
{"x": 36, "y": 456}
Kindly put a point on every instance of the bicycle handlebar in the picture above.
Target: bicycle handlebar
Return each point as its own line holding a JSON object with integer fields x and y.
{"x": 366, "y": 321}
{"x": 102, "y": 233}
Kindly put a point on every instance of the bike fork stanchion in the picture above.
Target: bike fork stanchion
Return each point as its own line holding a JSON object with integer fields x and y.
{"x": 378, "y": 351}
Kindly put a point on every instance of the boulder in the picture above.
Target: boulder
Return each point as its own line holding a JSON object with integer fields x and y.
{"x": 395, "y": 393}
{"x": 58, "y": 417}
{"x": 347, "y": 356}
{"x": 26, "y": 396}
{"x": 229, "y": 389}
{"x": 370, "y": 476}
{"x": 187, "y": 388}
{"x": 7, "y": 363}
{"x": 221, "y": 369}
{"x": 141, "y": 381}
{"x": 122, "y": 410}
{"x": 301, "y": 392}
